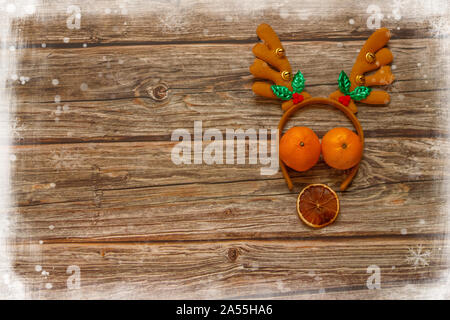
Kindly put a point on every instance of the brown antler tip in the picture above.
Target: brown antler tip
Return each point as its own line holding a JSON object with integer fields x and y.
{"x": 263, "y": 27}
{"x": 386, "y": 31}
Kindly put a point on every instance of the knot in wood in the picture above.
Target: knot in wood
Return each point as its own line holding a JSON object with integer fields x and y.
{"x": 233, "y": 254}
{"x": 159, "y": 92}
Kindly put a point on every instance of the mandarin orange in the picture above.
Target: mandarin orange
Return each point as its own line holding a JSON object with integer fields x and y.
{"x": 299, "y": 148}
{"x": 341, "y": 148}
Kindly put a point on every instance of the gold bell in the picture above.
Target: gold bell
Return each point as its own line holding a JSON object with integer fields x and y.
{"x": 286, "y": 75}
{"x": 360, "y": 80}
{"x": 279, "y": 52}
{"x": 370, "y": 57}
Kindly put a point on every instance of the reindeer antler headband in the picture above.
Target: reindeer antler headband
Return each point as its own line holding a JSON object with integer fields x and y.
{"x": 272, "y": 64}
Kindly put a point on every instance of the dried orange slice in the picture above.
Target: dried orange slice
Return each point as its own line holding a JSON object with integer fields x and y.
{"x": 317, "y": 205}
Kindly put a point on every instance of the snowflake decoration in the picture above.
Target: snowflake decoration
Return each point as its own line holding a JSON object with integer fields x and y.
{"x": 173, "y": 20}
{"x": 439, "y": 27}
{"x": 418, "y": 257}
{"x": 16, "y": 130}
{"x": 62, "y": 159}
{"x": 397, "y": 6}
{"x": 109, "y": 72}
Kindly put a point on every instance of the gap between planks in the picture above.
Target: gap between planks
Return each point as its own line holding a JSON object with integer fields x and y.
{"x": 407, "y": 133}
{"x": 228, "y": 90}
{"x": 254, "y": 40}
{"x": 316, "y": 239}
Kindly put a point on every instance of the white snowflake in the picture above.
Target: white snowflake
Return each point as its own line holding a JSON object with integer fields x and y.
{"x": 62, "y": 159}
{"x": 173, "y": 20}
{"x": 16, "y": 130}
{"x": 417, "y": 257}
{"x": 24, "y": 79}
{"x": 397, "y": 6}
{"x": 109, "y": 73}
{"x": 439, "y": 27}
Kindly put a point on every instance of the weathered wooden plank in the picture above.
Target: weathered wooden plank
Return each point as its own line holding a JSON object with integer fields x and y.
{"x": 174, "y": 20}
{"x": 126, "y": 120}
{"x": 124, "y": 72}
{"x": 135, "y": 215}
{"x": 108, "y": 110}
{"x": 418, "y": 290}
{"x": 232, "y": 269}
{"x": 133, "y": 190}
{"x": 149, "y": 164}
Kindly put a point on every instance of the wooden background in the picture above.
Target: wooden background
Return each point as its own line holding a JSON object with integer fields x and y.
{"x": 93, "y": 185}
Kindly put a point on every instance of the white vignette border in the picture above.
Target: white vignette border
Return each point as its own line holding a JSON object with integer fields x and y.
{"x": 11, "y": 285}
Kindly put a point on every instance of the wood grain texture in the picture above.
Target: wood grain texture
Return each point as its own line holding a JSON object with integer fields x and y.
{"x": 162, "y": 21}
{"x": 121, "y": 70}
{"x": 120, "y": 102}
{"x": 232, "y": 269}
{"x": 84, "y": 190}
{"x": 93, "y": 184}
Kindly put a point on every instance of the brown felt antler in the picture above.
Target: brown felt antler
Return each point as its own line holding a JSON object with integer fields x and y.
{"x": 271, "y": 64}
{"x": 373, "y": 55}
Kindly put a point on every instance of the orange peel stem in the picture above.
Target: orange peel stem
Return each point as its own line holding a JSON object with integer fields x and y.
{"x": 329, "y": 102}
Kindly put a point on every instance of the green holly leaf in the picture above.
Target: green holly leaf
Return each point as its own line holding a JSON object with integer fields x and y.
{"x": 298, "y": 82}
{"x": 360, "y": 93}
{"x": 344, "y": 83}
{"x": 282, "y": 92}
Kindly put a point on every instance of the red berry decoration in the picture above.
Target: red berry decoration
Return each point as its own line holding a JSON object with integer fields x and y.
{"x": 297, "y": 98}
{"x": 345, "y": 100}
